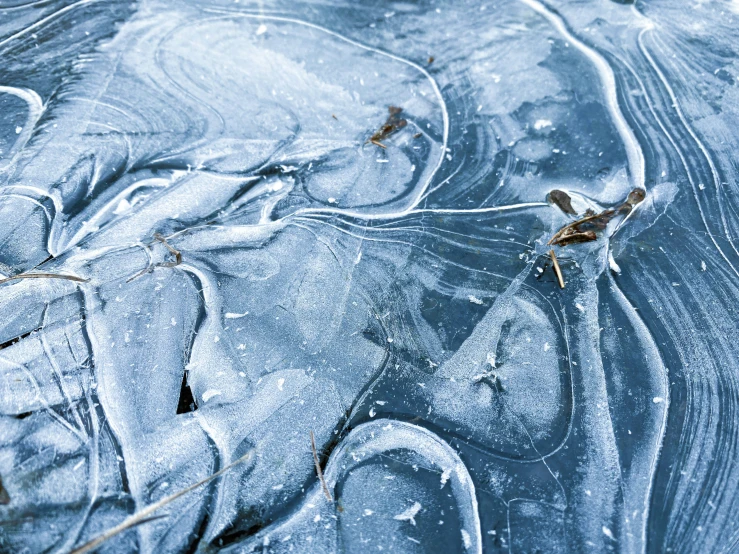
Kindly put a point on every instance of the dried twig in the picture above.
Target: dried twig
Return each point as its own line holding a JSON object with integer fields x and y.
{"x": 176, "y": 253}
{"x": 571, "y": 233}
{"x": 557, "y": 269}
{"x": 146, "y": 514}
{"x": 318, "y": 468}
{"x": 44, "y": 276}
{"x": 177, "y": 259}
{"x": 140, "y": 273}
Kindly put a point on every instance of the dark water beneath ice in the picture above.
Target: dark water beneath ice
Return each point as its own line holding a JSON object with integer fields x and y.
{"x": 238, "y": 242}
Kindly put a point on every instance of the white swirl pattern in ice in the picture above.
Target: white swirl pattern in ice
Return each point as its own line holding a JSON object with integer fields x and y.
{"x": 230, "y": 230}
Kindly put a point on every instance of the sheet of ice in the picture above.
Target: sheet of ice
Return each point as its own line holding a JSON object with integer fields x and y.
{"x": 255, "y": 225}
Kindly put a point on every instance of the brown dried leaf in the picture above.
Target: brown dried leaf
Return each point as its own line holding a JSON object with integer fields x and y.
{"x": 562, "y": 200}
{"x": 391, "y": 125}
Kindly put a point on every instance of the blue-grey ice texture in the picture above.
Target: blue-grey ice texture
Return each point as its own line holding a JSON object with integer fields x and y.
{"x": 225, "y": 263}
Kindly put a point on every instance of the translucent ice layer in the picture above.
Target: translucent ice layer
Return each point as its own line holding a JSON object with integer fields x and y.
{"x": 279, "y": 277}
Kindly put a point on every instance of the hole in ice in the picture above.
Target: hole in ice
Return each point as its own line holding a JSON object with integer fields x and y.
{"x": 186, "y": 403}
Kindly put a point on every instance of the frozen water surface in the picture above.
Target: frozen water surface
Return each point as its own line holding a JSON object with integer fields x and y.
{"x": 229, "y": 230}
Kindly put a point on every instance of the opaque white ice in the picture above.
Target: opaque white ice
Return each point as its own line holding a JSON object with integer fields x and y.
{"x": 227, "y": 264}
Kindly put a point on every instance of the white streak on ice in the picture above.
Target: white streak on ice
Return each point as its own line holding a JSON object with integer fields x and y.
{"x": 419, "y": 193}
{"x": 608, "y": 80}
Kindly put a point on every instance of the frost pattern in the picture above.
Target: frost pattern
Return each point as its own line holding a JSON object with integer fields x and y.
{"x": 228, "y": 227}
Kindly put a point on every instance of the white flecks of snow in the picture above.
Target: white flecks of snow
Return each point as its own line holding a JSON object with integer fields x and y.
{"x": 613, "y": 265}
{"x": 410, "y": 514}
{"x": 445, "y": 475}
{"x": 123, "y": 206}
{"x": 261, "y": 29}
{"x": 475, "y": 300}
{"x": 280, "y": 383}
{"x": 658, "y": 399}
{"x": 466, "y": 539}
{"x": 210, "y": 393}
{"x": 231, "y": 315}
{"x": 541, "y": 124}
{"x": 607, "y": 532}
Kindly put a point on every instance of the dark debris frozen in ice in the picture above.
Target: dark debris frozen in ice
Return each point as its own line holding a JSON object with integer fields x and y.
{"x": 229, "y": 226}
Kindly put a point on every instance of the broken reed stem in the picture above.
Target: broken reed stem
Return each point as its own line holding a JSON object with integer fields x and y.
{"x": 176, "y": 253}
{"x": 318, "y": 468}
{"x": 557, "y": 269}
{"x": 44, "y": 276}
{"x": 146, "y": 514}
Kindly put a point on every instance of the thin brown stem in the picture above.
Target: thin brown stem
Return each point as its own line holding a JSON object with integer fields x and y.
{"x": 146, "y": 514}
{"x": 44, "y": 276}
{"x": 557, "y": 269}
{"x": 326, "y": 492}
{"x": 177, "y": 259}
{"x": 176, "y": 253}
